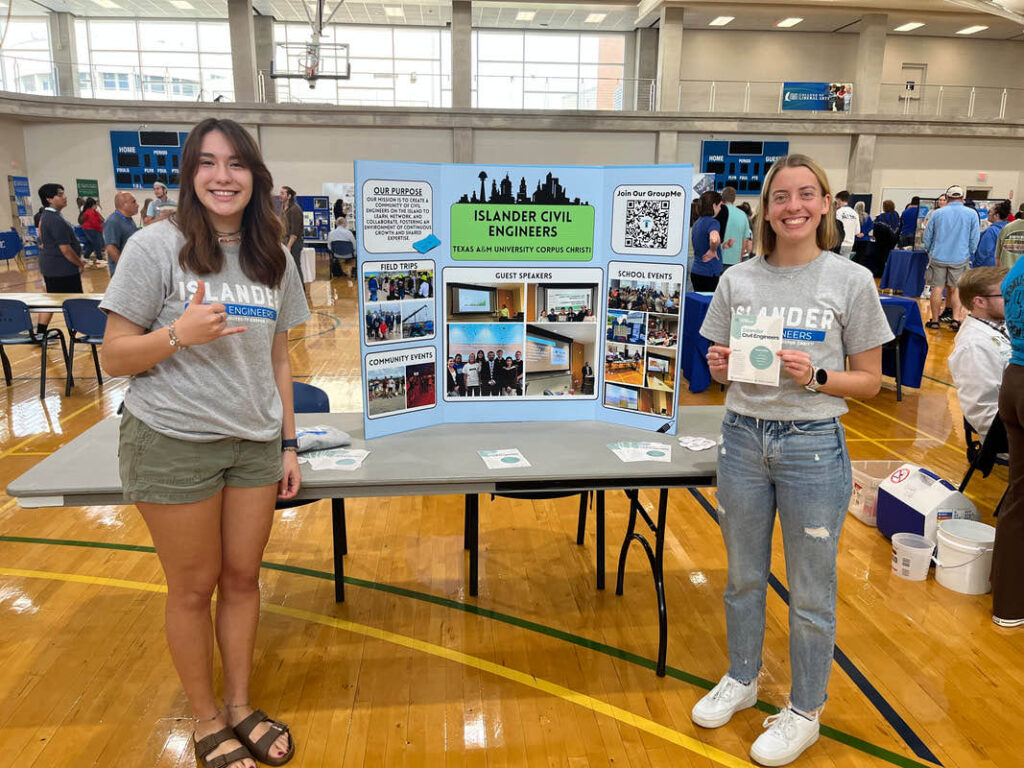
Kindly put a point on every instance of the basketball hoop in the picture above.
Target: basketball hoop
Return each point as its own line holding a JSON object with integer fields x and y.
{"x": 304, "y": 60}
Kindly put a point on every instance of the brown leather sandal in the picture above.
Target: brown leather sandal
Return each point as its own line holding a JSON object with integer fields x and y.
{"x": 261, "y": 747}
{"x": 208, "y": 744}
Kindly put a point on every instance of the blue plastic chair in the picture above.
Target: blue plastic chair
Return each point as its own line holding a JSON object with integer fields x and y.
{"x": 16, "y": 327}
{"x": 310, "y": 399}
{"x": 342, "y": 249}
{"x": 86, "y": 325}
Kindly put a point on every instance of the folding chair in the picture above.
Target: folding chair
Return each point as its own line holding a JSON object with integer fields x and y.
{"x": 86, "y": 324}
{"x": 986, "y": 455}
{"x": 16, "y": 327}
{"x": 341, "y": 250}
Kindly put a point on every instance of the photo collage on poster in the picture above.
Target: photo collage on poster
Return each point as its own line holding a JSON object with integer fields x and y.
{"x": 642, "y": 337}
{"x": 400, "y": 381}
{"x": 521, "y": 333}
{"x": 399, "y": 301}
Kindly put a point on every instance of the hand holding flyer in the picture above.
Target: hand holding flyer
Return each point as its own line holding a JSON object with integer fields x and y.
{"x": 755, "y": 341}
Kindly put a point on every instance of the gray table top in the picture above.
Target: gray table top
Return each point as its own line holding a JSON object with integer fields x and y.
{"x": 436, "y": 460}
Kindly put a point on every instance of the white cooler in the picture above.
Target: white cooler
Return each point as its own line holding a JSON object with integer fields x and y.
{"x": 914, "y": 500}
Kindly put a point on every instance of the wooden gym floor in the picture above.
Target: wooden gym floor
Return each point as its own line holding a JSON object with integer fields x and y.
{"x": 540, "y": 669}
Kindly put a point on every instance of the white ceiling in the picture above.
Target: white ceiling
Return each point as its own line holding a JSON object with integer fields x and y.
{"x": 942, "y": 17}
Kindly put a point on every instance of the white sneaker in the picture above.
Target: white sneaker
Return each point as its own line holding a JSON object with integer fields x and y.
{"x": 1007, "y": 622}
{"x": 788, "y": 735}
{"x": 723, "y": 701}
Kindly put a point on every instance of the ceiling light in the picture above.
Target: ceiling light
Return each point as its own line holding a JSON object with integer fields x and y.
{"x": 106, "y": 4}
{"x": 720, "y": 21}
{"x": 910, "y": 26}
{"x": 971, "y": 30}
{"x": 595, "y": 18}
{"x": 390, "y": 10}
{"x": 792, "y": 21}
{"x": 183, "y": 5}
{"x": 525, "y": 15}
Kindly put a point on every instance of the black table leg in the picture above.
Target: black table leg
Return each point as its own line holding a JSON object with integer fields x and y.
{"x": 600, "y": 539}
{"x": 473, "y": 539}
{"x": 340, "y": 547}
{"x": 655, "y": 556}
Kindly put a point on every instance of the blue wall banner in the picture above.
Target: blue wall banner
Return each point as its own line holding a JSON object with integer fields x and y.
{"x": 817, "y": 97}
{"x": 520, "y": 293}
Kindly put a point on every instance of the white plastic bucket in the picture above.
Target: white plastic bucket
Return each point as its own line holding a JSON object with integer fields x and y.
{"x": 964, "y": 557}
{"x": 911, "y": 556}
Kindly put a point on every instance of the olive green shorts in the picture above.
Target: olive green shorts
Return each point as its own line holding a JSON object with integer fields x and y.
{"x": 159, "y": 469}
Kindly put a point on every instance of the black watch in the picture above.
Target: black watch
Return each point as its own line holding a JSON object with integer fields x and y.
{"x": 819, "y": 377}
{"x": 289, "y": 443}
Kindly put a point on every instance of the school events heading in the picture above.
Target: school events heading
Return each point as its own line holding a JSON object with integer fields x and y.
{"x": 520, "y": 293}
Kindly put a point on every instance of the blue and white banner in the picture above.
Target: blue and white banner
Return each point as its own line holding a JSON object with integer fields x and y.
{"x": 817, "y": 97}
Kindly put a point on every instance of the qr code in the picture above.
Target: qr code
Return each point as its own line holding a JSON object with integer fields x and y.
{"x": 647, "y": 224}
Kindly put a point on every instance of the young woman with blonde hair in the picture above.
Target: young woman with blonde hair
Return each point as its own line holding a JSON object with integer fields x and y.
{"x": 783, "y": 447}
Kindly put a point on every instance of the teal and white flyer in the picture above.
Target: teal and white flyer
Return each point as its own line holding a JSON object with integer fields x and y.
{"x": 755, "y": 341}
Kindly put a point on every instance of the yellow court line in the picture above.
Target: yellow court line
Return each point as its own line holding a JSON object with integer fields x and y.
{"x": 874, "y": 442}
{"x": 553, "y": 689}
{"x": 908, "y": 426}
{"x": 880, "y": 439}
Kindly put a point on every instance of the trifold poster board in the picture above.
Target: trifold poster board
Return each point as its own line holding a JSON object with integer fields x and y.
{"x": 566, "y": 282}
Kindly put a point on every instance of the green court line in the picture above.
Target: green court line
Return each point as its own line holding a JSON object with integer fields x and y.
{"x": 609, "y": 650}
{"x": 333, "y": 318}
{"x": 937, "y": 381}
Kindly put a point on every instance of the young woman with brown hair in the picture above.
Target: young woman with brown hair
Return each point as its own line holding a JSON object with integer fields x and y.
{"x": 198, "y": 315}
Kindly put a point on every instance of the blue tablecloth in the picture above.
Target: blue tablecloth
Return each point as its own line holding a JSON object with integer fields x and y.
{"x": 904, "y": 272}
{"x": 695, "y": 346}
{"x": 913, "y": 344}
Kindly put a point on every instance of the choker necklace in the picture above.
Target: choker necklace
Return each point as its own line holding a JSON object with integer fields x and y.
{"x": 229, "y": 238}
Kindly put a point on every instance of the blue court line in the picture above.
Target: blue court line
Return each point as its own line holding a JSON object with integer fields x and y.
{"x": 885, "y": 709}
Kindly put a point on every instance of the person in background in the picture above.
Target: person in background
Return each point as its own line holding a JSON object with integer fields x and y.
{"x": 341, "y": 233}
{"x": 60, "y": 253}
{"x": 291, "y": 218}
{"x": 982, "y": 347}
{"x": 850, "y": 222}
{"x": 706, "y": 237}
{"x": 160, "y": 208}
{"x": 908, "y": 222}
{"x": 889, "y": 217}
{"x": 207, "y": 439}
{"x": 92, "y": 226}
{"x": 951, "y": 238}
{"x": 1008, "y": 556}
{"x": 118, "y": 227}
{"x": 339, "y": 209}
{"x": 783, "y": 447}
{"x": 736, "y": 230}
{"x": 985, "y": 256}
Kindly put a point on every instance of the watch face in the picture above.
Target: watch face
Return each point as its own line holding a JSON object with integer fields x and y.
{"x": 821, "y": 376}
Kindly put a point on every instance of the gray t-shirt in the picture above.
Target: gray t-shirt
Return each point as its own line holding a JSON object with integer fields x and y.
{"x": 830, "y": 308}
{"x": 55, "y": 231}
{"x": 222, "y": 389}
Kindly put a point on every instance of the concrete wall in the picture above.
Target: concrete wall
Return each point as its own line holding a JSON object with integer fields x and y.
{"x": 778, "y": 55}
{"x": 564, "y": 147}
{"x": 305, "y": 157}
{"x": 13, "y": 163}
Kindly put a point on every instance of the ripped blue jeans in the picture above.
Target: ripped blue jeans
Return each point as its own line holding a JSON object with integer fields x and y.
{"x": 802, "y": 468}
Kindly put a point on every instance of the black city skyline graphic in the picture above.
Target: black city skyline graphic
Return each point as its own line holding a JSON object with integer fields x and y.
{"x": 549, "y": 192}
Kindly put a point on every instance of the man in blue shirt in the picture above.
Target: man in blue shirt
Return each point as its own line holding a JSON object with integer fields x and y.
{"x": 118, "y": 227}
{"x": 951, "y": 238}
{"x": 985, "y": 256}
{"x": 908, "y": 222}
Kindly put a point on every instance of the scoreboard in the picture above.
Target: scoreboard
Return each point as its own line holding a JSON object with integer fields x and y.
{"x": 741, "y": 164}
{"x": 142, "y": 157}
